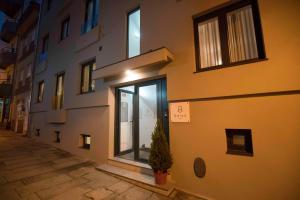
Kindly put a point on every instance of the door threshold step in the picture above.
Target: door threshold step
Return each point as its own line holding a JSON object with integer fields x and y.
{"x": 139, "y": 179}
{"x": 131, "y": 165}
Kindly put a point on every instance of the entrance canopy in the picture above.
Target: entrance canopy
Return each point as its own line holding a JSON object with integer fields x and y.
{"x": 154, "y": 58}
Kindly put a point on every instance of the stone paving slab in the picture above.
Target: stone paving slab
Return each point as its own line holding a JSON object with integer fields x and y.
{"x": 34, "y": 171}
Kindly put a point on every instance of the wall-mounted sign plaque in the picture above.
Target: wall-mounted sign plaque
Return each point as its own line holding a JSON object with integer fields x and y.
{"x": 180, "y": 112}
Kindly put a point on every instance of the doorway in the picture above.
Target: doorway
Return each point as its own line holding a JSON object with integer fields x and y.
{"x": 138, "y": 107}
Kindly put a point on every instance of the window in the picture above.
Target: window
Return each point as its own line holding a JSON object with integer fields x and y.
{"x": 87, "y": 84}
{"x": 91, "y": 15}
{"x": 41, "y": 88}
{"x": 59, "y": 93}
{"x": 45, "y": 44}
{"x": 239, "y": 141}
{"x": 86, "y": 141}
{"x": 65, "y": 28}
{"x": 133, "y": 33}
{"x": 228, "y": 36}
{"x": 49, "y": 3}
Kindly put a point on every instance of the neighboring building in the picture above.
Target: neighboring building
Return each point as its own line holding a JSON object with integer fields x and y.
{"x": 19, "y": 31}
{"x": 106, "y": 70}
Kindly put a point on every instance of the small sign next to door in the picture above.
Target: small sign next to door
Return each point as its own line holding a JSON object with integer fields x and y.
{"x": 180, "y": 112}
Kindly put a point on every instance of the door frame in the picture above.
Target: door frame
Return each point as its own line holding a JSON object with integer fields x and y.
{"x": 162, "y": 114}
{"x": 117, "y": 139}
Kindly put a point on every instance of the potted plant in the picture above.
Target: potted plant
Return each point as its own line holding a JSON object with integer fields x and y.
{"x": 160, "y": 158}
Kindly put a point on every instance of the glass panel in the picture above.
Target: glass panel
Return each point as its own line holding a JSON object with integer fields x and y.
{"x": 87, "y": 140}
{"x": 134, "y": 34}
{"x": 238, "y": 140}
{"x": 209, "y": 43}
{"x": 126, "y": 121}
{"x": 147, "y": 118}
{"x": 241, "y": 35}
{"x": 59, "y": 92}
{"x": 93, "y": 84}
{"x": 41, "y": 92}
{"x": 85, "y": 78}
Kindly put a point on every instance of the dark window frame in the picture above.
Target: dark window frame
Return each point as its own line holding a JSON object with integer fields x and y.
{"x": 39, "y": 90}
{"x": 49, "y": 3}
{"x": 127, "y": 31}
{"x": 244, "y": 150}
{"x": 84, "y": 144}
{"x": 94, "y": 16}
{"x": 90, "y": 65}
{"x": 44, "y": 48}
{"x": 221, "y": 12}
{"x": 65, "y": 21}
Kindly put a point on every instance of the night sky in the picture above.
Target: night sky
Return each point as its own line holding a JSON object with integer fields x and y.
{"x": 2, "y": 17}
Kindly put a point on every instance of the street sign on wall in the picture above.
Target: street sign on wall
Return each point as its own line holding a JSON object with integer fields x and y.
{"x": 180, "y": 112}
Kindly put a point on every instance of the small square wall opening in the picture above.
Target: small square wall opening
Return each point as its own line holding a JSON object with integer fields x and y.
{"x": 85, "y": 141}
{"x": 37, "y": 132}
{"x": 239, "y": 142}
{"x": 57, "y": 136}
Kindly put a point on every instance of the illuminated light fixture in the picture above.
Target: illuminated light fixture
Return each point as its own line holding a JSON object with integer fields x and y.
{"x": 131, "y": 75}
{"x": 129, "y": 72}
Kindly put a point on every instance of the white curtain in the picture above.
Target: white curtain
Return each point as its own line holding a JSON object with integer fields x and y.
{"x": 209, "y": 43}
{"x": 241, "y": 35}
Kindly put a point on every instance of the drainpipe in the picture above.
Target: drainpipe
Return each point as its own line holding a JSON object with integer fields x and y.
{"x": 34, "y": 64}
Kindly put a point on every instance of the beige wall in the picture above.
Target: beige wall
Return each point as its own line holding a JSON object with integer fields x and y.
{"x": 273, "y": 171}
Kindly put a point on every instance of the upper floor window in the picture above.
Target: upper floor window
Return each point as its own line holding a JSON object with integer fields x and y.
{"x": 49, "y": 3}
{"x": 65, "y": 28}
{"x": 87, "y": 84}
{"x": 133, "y": 33}
{"x": 45, "y": 44}
{"x": 227, "y": 36}
{"x": 59, "y": 92}
{"x": 41, "y": 88}
{"x": 91, "y": 15}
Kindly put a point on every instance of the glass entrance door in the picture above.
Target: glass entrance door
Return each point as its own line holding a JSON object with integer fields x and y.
{"x": 139, "y": 107}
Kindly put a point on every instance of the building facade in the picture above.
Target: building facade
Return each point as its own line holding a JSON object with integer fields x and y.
{"x": 20, "y": 32}
{"x": 220, "y": 75}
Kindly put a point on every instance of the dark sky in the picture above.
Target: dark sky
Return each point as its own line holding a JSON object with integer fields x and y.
{"x": 2, "y": 17}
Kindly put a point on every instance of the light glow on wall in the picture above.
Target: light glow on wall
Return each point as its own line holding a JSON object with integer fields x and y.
{"x": 131, "y": 75}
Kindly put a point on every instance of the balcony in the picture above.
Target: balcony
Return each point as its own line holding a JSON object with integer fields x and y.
{"x": 7, "y": 57}
{"x": 10, "y": 7}
{"x": 29, "y": 16}
{"x": 5, "y": 88}
{"x": 9, "y": 30}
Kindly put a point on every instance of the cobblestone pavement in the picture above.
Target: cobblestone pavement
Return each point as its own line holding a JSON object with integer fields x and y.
{"x": 32, "y": 170}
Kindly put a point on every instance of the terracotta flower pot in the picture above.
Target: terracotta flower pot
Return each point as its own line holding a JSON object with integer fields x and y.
{"x": 160, "y": 177}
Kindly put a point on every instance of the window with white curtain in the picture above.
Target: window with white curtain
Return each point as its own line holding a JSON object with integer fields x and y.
{"x": 209, "y": 43}
{"x": 228, "y": 36}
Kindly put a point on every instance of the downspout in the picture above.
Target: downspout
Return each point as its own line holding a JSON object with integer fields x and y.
{"x": 35, "y": 62}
